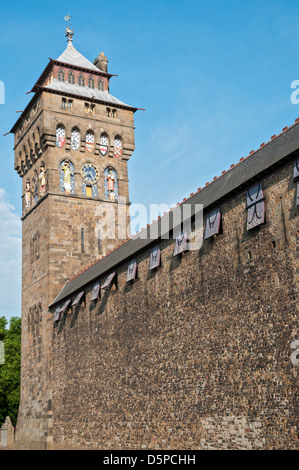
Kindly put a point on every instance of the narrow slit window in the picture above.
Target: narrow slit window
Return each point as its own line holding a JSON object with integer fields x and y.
{"x": 99, "y": 242}
{"x": 82, "y": 240}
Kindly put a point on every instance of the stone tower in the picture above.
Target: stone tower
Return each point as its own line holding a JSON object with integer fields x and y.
{"x": 72, "y": 145}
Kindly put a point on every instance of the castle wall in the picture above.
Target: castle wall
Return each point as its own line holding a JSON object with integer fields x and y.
{"x": 195, "y": 354}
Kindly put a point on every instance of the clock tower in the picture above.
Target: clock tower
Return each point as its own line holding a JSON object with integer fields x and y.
{"x": 72, "y": 145}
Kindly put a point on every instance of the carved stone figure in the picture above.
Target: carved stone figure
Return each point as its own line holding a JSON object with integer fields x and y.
{"x": 42, "y": 180}
{"x": 27, "y": 196}
{"x": 67, "y": 184}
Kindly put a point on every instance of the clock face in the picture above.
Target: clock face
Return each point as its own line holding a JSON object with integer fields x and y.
{"x": 90, "y": 173}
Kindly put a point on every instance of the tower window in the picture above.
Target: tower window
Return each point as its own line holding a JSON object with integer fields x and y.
{"x": 104, "y": 142}
{"x": 61, "y": 75}
{"x": 101, "y": 85}
{"x": 108, "y": 112}
{"x": 70, "y": 104}
{"x": 114, "y": 113}
{"x": 63, "y": 103}
{"x": 118, "y": 147}
{"x": 71, "y": 78}
{"x": 90, "y": 82}
{"x": 81, "y": 80}
{"x": 89, "y": 108}
{"x": 60, "y": 136}
{"x": 75, "y": 139}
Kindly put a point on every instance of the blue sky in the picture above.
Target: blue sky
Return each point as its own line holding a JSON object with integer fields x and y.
{"x": 214, "y": 77}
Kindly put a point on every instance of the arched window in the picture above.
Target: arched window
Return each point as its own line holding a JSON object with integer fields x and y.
{"x": 110, "y": 184}
{"x": 89, "y": 141}
{"x": 67, "y": 177}
{"x": 81, "y": 80}
{"x": 90, "y": 82}
{"x": 118, "y": 147}
{"x": 75, "y": 138}
{"x": 100, "y": 84}
{"x": 61, "y": 75}
{"x": 60, "y": 136}
{"x": 71, "y": 78}
{"x": 104, "y": 144}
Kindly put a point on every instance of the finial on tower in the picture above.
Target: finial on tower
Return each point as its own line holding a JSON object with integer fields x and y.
{"x": 69, "y": 32}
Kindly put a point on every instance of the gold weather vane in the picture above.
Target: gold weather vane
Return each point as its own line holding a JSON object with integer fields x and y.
{"x": 69, "y": 33}
{"x": 68, "y": 18}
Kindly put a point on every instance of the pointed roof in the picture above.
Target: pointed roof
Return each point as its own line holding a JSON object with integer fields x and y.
{"x": 73, "y": 57}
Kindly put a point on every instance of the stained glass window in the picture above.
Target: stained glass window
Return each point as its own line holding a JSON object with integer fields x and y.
{"x": 89, "y": 141}
{"x": 104, "y": 142}
{"x": 60, "y": 136}
{"x": 75, "y": 138}
{"x": 117, "y": 147}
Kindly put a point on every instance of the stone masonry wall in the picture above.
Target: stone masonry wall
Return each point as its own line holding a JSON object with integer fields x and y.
{"x": 193, "y": 355}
